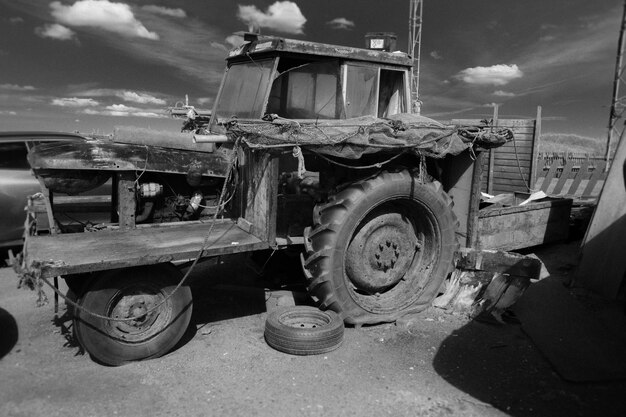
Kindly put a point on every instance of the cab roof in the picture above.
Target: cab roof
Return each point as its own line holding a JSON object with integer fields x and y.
{"x": 268, "y": 44}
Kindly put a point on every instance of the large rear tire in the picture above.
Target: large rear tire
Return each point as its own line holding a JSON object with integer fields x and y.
{"x": 381, "y": 248}
{"x": 128, "y": 293}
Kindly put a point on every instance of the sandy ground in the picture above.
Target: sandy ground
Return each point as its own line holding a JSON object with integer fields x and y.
{"x": 441, "y": 365}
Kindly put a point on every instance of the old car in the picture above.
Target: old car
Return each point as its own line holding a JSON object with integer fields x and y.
{"x": 17, "y": 182}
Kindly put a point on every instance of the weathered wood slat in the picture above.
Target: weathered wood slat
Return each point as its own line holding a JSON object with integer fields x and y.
{"x": 522, "y": 134}
{"x": 524, "y": 147}
{"x": 501, "y": 122}
{"x": 512, "y": 168}
{"x": 511, "y": 163}
{"x": 536, "y": 137}
{"x": 102, "y": 155}
{"x": 496, "y": 261}
{"x": 64, "y": 254}
{"x": 517, "y": 227}
{"x": 127, "y": 200}
{"x": 513, "y": 175}
{"x": 526, "y": 157}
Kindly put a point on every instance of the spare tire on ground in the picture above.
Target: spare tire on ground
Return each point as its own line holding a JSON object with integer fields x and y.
{"x": 303, "y": 330}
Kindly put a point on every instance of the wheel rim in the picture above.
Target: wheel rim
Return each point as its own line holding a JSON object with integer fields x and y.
{"x": 390, "y": 255}
{"x": 304, "y": 320}
{"x": 138, "y": 301}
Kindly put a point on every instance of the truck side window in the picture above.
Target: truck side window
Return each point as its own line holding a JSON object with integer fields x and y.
{"x": 361, "y": 91}
{"x": 13, "y": 156}
{"x": 308, "y": 91}
{"x": 391, "y": 93}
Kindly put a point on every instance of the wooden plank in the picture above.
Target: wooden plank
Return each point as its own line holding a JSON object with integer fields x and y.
{"x": 490, "y": 172}
{"x": 47, "y": 198}
{"x": 457, "y": 177}
{"x": 598, "y": 173}
{"x": 523, "y": 135}
{"x": 522, "y": 139}
{"x": 114, "y": 197}
{"x": 514, "y": 180}
{"x": 513, "y": 229}
{"x": 65, "y": 254}
{"x": 567, "y": 170}
{"x": 603, "y": 262}
{"x": 513, "y": 156}
{"x": 497, "y": 261}
{"x": 501, "y": 122}
{"x": 515, "y": 175}
{"x": 536, "y": 138}
{"x": 512, "y": 166}
{"x": 525, "y": 147}
{"x": 492, "y": 153}
{"x": 551, "y": 174}
{"x": 127, "y": 201}
{"x": 472, "y": 217}
{"x": 583, "y": 173}
{"x": 261, "y": 198}
{"x": 109, "y": 156}
{"x": 511, "y": 170}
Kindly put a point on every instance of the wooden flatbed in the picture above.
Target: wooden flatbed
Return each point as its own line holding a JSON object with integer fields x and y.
{"x": 74, "y": 253}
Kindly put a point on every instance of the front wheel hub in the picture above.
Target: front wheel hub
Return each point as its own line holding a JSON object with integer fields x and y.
{"x": 381, "y": 253}
{"x": 141, "y": 322}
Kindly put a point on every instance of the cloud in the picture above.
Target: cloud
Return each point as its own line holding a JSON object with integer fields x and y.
{"x": 16, "y": 20}
{"x": 219, "y": 46}
{"x": 547, "y": 38}
{"x": 165, "y": 11}
{"x": 234, "y": 40}
{"x": 55, "y": 31}
{"x": 15, "y": 87}
{"x": 75, "y": 102}
{"x": 436, "y": 55}
{"x": 282, "y": 16}
{"x": 8, "y": 113}
{"x": 493, "y": 75}
{"x": 501, "y": 93}
{"x": 341, "y": 23}
{"x": 122, "y": 110}
{"x": 205, "y": 100}
{"x": 142, "y": 98}
{"x": 102, "y": 14}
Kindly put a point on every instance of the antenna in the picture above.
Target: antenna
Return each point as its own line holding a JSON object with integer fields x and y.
{"x": 415, "y": 49}
{"x": 618, "y": 104}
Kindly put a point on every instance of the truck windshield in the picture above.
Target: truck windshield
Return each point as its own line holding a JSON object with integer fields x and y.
{"x": 244, "y": 90}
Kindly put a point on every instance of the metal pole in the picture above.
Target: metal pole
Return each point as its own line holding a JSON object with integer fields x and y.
{"x": 415, "y": 49}
{"x": 614, "y": 116}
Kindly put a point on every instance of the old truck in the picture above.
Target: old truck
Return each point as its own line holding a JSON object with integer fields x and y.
{"x": 308, "y": 145}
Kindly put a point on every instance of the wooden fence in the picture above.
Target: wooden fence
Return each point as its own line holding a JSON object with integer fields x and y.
{"x": 574, "y": 175}
{"x": 509, "y": 168}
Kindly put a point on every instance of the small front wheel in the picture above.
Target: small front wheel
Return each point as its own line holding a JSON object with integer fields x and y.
{"x": 132, "y": 294}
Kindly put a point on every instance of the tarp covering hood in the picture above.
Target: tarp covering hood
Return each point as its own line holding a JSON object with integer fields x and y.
{"x": 351, "y": 138}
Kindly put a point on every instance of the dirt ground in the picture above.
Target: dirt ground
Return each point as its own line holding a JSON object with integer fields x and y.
{"x": 440, "y": 365}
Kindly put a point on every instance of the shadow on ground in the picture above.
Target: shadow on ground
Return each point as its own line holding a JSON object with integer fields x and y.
{"x": 500, "y": 365}
{"x": 9, "y": 333}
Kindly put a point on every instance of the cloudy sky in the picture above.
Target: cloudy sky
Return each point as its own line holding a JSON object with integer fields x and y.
{"x": 90, "y": 65}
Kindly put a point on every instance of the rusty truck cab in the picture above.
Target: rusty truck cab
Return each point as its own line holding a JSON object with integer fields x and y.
{"x": 301, "y": 80}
